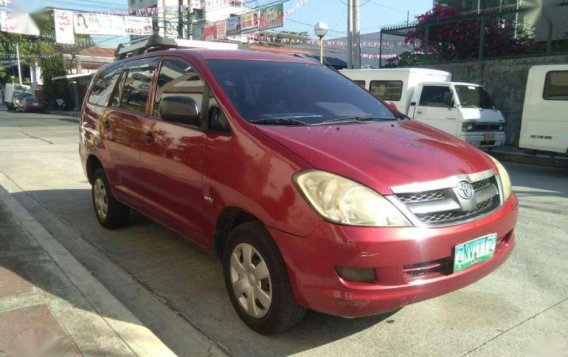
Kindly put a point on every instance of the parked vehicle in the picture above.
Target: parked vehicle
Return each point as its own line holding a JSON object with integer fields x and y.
{"x": 32, "y": 104}
{"x": 10, "y": 90}
{"x": 544, "y": 126}
{"x": 465, "y": 110}
{"x": 308, "y": 188}
{"x": 19, "y": 98}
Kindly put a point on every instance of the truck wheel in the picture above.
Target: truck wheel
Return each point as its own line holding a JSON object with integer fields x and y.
{"x": 110, "y": 213}
{"x": 257, "y": 281}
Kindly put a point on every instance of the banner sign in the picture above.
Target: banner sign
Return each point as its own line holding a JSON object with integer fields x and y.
{"x": 63, "y": 20}
{"x": 98, "y": 24}
{"x": 233, "y": 25}
{"x": 18, "y": 23}
{"x": 221, "y": 29}
{"x": 249, "y": 21}
{"x": 137, "y": 25}
{"x": 271, "y": 17}
{"x": 209, "y": 31}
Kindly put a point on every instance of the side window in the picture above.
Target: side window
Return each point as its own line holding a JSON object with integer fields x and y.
{"x": 117, "y": 94}
{"x": 104, "y": 86}
{"x": 178, "y": 83}
{"x": 359, "y": 83}
{"x": 436, "y": 96}
{"x": 556, "y": 86}
{"x": 137, "y": 85}
{"x": 386, "y": 90}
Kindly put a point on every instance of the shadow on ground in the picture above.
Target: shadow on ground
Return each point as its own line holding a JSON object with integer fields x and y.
{"x": 187, "y": 279}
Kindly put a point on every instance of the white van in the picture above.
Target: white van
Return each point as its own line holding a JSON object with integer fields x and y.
{"x": 544, "y": 125}
{"x": 463, "y": 109}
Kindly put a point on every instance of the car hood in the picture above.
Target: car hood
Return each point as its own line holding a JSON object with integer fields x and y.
{"x": 384, "y": 154}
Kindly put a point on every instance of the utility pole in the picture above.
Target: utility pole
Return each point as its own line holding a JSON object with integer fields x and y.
{"x": 349, "y": 33}
{"x": 18, "y": 60}
{"x": 180, "y": 19}
{"x": 356, "y": 35}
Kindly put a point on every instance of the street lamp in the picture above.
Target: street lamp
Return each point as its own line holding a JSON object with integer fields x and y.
{"x": 321, "y": 30}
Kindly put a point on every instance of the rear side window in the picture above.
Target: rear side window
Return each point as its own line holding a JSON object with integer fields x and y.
{"x": 177, "y": 78}
{"x": 386, "y": 90}
{"x": 436, "y": 96}
{"x": 556, "y": 86}
{"x": 104, "y": 86}
{"x": 137, "y": 84}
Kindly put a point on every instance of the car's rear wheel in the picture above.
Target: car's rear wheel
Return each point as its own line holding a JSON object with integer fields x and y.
{"x": 257, "y": 281}
{"x": 110, "y": 213}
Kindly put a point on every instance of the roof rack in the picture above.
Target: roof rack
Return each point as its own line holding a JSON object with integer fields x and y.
{"x": 144, "y": 45}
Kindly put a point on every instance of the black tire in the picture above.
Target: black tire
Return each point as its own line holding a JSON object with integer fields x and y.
{"x": 283, "y": 312}
{"x": 117, "y": 214}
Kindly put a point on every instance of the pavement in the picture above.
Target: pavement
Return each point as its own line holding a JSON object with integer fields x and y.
{"x": 176, "y": 291}
{"x": 48, "y": 300}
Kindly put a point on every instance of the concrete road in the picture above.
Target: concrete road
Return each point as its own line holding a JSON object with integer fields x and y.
{"x": 176, "y": 289}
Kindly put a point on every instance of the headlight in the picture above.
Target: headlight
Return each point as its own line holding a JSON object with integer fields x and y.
{"x": 505, "y": 180}
{"x": 343, "y": 201}
{"x": 467, "y": 127}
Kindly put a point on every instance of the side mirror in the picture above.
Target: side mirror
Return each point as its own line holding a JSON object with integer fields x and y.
{"x": 179, "y": 109}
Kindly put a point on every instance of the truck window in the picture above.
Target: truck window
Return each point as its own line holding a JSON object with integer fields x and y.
{"x": 436, "y": 96}
{"x": 387, "y": 90}
{"x": 359, "y": 83}
{"x": 556, "y": 86}
{"x": 474, "y": 97}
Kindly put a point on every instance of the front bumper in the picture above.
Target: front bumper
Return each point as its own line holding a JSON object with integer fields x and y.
{"x": 480, "y": 140}
{"x": 395, "y": 254}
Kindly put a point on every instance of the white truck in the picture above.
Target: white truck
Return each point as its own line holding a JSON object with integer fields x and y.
{"x": 465, "y": 110}
{"x": 544, "y": 125}
{"x": 12, "y": 89}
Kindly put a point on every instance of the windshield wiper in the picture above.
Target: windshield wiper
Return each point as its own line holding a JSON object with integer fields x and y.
{"x": 279, "y": 121}
{"x": 352, "y": 119}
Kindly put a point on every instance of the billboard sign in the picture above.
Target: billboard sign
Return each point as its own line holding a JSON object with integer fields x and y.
{"x": 233, "y": 25}
{"x": 271, "y": 17}
{"x": 249, "y": 21}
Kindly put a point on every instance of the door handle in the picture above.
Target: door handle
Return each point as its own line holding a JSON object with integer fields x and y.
{"x": 148, "y": 138}
{"x": 419, "y": 112}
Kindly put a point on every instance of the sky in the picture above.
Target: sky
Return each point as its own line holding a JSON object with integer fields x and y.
{"x": 374, "y": 14}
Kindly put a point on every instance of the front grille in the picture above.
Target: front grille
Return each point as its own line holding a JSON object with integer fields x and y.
{"x": 422, "y": 197}
{"x": 450, "y": 217}
{"x": 444, "y": 206}
{"x": 487, "y": 127}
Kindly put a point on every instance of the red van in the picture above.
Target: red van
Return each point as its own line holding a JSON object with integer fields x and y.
{"x": 311, "y": 191}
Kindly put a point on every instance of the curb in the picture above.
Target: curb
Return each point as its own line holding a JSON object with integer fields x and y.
{"x": 138, "y": 337}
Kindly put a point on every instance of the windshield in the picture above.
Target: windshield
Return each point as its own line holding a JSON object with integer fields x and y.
{"x": 474, "y": 97}
{"x": 285, "y": 93}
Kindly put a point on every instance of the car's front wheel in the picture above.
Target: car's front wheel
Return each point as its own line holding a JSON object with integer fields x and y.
{"x": 110, "y": 213}
{"x": 257, "y": 281}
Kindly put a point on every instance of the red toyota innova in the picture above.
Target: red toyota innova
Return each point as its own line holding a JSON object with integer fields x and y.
{"x": 311, "y": 191}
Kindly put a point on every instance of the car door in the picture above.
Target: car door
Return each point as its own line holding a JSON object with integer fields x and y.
{"x": 436, "y": 107}
{"x": 120, "y": 152}
{"x": 123, "y": 127}
{"x": 172, "y": 155}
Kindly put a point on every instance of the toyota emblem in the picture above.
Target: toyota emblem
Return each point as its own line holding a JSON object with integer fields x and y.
{"x": 465, "y": 190}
